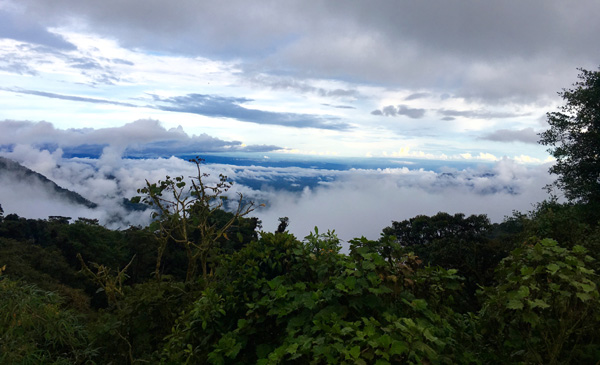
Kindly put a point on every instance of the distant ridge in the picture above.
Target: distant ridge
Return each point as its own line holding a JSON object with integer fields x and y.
{"x": 19, "y": 172}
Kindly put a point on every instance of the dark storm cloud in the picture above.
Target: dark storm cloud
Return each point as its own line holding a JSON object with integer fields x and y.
{"x": 23, "y": 29}
{"x": 229, "y": 107}
{"x": 527, "y": 135}
{"x": 392, "y": 111}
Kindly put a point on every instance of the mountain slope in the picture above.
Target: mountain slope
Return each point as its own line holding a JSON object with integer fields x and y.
{"x": 14, "y": 172}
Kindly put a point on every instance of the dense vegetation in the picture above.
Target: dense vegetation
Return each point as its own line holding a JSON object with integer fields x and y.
{"x": 204, "y": 285}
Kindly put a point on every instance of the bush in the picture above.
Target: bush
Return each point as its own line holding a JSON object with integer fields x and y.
{"x": 546, "y": 308}
{"x": 35, "y": 329}
{"x": 279, "y": 300}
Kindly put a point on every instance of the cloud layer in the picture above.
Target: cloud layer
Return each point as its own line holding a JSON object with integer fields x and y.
{"x": 480, "y": 46}
{"x": 354, "y": 202}
{"x": 142, "y": 137}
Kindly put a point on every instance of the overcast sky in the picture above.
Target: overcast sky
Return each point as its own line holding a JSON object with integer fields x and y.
{"x": 469, "y": 81}
{"x": 435, "y": 79}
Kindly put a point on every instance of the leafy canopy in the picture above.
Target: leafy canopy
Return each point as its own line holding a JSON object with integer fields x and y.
{"x": 574, "y": 137}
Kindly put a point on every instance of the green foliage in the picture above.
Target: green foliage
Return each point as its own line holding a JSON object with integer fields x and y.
{"x": 272, "y": 299}
{"x": 34, "y": 328}
{"x": 574, "y": 137}
{"x": 452, "y": 242}
{"x": 188, "y": 217}
{"x": 109, "y": 283}
{"x": 546, "y": 308}
{"x": 423, "y": 230}
{"x": 568, "y": 223}
{"x": 91, "y": 241}
{"x": 279, "y": 300}
{"x": 134, "y": 331}
{"x": 47, "y": 268}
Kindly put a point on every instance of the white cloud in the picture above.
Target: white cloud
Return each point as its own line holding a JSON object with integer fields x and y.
{"x": 353, "y": 202}
{"x": 363, "y": 202}
{"x": 484, "y": 156}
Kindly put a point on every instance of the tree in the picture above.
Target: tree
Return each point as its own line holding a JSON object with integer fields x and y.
{"x": 574, "y": 137}
{"x": 450, "y": 241}
{"x": 186, "y": 216}
{"x": 283, "y": 224}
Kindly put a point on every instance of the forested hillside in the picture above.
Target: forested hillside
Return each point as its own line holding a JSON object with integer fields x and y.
{"x": 205, "y": 285}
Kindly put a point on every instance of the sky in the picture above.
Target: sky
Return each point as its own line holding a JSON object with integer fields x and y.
{"x": 466, "y": 81}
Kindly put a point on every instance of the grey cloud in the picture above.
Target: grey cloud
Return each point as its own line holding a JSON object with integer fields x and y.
{"x": 68, "y": 97}
{"x": 543, "y": 121}
{"x": 86, "y": 64}
{"x": 184, "y": 27}
{"x": 23, "y": 29}
{"x": 196, "y": 144}
{"x": 527, "y": 135}
{"x": 461, "y": 48}
{"x": 481, "y": 29}
{"x": 105, "y": 78}
{"x": 338, "y": 93}
{"x": 448, "y": 118}
{"x": 389, "y": 111}
{"x": 392, "y": 111}
{"x": 28, "y": 56}
{"x": 493, "y": 51}
{"x": 477, "y": 114}
{"x": 139, "y": 138}
{"x": 95, "y": 70}
{"x": 289, "y": 83}
{"x": 212, "y": 106}
{"x": 411, "y": 112}
{"x": 122, "y": 62}
{"x": 339, "y": 106}
{"x": 14, "y": 64}
{"x": 415, "y": 96}
{"x": 229, "y": 107}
